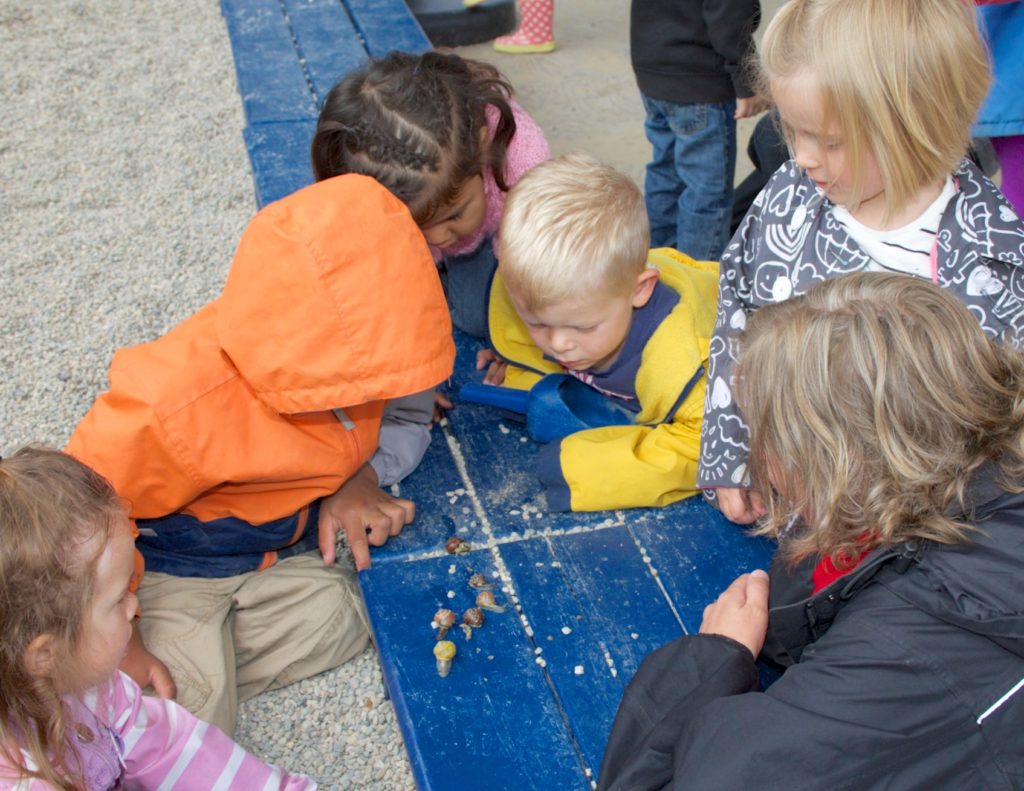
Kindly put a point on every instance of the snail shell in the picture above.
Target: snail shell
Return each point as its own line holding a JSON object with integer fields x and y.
{"x": 485, "y": 599}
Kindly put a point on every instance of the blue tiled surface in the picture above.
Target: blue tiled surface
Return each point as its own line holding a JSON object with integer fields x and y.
{"x": 531, "y": 697}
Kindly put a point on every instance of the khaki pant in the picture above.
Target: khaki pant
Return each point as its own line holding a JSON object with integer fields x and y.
{"x": 227, "y": 639}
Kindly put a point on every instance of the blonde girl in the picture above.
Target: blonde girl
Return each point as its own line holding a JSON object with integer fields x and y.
{"x": 68, "y": 718}
{"x": 876, "y": 99}
{"x": 887, "y": 440}
{"x": 445, "y": 136}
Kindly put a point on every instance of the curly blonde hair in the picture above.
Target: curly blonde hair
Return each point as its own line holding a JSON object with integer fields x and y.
{"x": 872, "y": 400}
{"x": 52, "y": 508}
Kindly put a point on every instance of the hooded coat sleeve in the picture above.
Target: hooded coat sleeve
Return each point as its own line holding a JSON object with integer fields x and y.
{"x": 867, "y": 706}
{"x": 725, "y": 442}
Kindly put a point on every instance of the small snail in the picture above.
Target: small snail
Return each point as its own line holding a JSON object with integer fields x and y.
{"x": 445, "y": 620}
{"x": 479, "y": 582}
{"x": 456, "y": 546}
{"x": 473, "y": 618}
{"x": 485, "y": 599}
{"x": 444, "y": 652}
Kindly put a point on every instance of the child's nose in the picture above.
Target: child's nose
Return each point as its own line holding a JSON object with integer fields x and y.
{"x": 439, "y": 236}
{"x": 561, "y": 341}
{"x": 805, "y": 155}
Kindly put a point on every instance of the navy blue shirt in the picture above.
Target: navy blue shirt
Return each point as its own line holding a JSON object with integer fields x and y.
{"x": 618, "y": 381}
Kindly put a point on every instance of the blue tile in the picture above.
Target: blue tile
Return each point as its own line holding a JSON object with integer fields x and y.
{"x": 326, "y": 41}
{"x": 271, "y": 78}
{"x": 279, "y": 154}
{"x": 492, "y": 723}
{"x": 387, "y": 25}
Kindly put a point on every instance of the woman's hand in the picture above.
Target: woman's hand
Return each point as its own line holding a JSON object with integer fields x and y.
{"x": 741, "y": 612}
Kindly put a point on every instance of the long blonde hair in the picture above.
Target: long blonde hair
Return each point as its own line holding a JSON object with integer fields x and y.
{"x": 52, "y": 508}
{"x": 903, "y": 79}
{"x": 872, "y": 400}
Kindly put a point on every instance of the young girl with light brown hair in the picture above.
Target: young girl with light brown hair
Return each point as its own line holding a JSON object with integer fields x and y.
{"x": 68, "y": 718}
{"x": 887, "y": 440}
{"x": 876, "y": 100}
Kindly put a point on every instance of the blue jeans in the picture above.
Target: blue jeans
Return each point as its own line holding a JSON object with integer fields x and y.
{"x": 467, "y": 286}
{"x": 688, "y": 187}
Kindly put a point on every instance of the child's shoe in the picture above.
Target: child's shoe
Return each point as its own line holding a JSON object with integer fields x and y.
{"x": 534, "y": 34}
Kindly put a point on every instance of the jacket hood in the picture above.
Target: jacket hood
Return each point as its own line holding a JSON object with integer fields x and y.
{"x": 333, "y": 300}
{"x": 978, "y": 585}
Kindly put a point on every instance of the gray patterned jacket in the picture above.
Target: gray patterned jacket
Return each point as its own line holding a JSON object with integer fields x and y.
{"x": 790, "y": 240}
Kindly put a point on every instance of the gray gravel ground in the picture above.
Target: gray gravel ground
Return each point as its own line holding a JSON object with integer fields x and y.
{"x": 124, "y": 187}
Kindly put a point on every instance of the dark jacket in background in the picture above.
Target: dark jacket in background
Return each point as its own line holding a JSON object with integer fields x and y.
{"x": 908, "y": 673}
{"x": 688, "y": 51}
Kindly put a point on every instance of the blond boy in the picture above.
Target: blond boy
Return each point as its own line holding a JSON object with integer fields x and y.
{"x": 578, "y": 292}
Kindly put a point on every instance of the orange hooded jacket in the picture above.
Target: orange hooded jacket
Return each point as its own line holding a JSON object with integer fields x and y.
{"x": 332, "y": 303}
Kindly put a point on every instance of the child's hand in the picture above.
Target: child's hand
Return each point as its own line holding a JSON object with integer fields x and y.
{"x": 441, "y": 404}
{"x": 749, "y": 106}
{"x": 743, "y": 506}
{"x": 495, "y": 366}
{"x": 741, "y": 612}
{"x": 366, "y": 513}
{"x": 146, "y": 670}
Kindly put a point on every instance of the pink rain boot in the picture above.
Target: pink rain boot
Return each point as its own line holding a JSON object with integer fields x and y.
{"x": 534, "y": 33}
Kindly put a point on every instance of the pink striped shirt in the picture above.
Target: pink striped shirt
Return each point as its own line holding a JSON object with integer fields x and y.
{"x": 127, "y": 739}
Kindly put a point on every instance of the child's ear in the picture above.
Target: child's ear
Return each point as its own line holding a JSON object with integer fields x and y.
{"x": 40, "y": 656}
{"x": 645, "y": 283}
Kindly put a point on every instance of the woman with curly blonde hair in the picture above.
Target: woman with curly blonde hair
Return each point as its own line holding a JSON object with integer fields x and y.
{"x": 887, "y": 440}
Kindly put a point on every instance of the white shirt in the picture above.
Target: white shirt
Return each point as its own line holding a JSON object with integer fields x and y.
{"x": 908, "y": 249}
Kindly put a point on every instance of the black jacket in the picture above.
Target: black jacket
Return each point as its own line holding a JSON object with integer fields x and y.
{"x": 692, "y": 51}
{"x": 907, "y": 673}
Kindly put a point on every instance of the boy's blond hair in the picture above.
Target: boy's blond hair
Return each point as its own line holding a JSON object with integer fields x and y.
{"x": 903, "y": 79}
{"x": 872, "y": 400}
{"x": 572, "y": 226}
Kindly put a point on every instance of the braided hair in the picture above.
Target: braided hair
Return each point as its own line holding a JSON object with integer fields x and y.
{"x": 413, "y": 122}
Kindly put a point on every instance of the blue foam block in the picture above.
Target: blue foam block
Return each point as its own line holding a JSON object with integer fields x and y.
{"x": 387, "y": 25}
{"x": 271, "y": 78}
{"x": 326, "y": 41}
{"x": 492, "y": 722}
{"x": 279, "y": 154}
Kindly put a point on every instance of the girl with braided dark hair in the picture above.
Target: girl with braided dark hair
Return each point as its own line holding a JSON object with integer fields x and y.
{"x": 443, "y": 134}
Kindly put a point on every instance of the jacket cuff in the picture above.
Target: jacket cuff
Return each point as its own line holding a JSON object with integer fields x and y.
{"x": 549, "y": 470}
